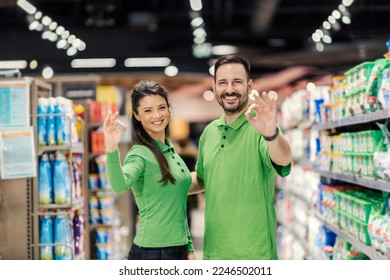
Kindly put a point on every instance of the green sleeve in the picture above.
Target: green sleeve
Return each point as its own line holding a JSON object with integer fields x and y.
{"x": 190, "y": 245}
{"x": 122, "y": 179}
{"x": 199, "y": 163}
{"x": 282, "y": 171}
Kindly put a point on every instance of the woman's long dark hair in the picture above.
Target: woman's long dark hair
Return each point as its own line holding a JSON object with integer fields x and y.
{"x": 138, "y": 133}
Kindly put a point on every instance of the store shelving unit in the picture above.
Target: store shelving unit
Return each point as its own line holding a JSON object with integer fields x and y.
{"x": 366, "y": 119}
{"x": 20, "y": 211}
{"x": 359, "y": 119}
{"x": 367, "y": 182}
{"x": 44, "y": 90}
{"x": 367, "y": 250}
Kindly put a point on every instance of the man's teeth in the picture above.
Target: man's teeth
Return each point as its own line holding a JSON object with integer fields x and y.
{"x": 231, "y": 97}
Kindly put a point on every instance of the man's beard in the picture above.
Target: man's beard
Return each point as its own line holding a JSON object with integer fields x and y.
{"x": 237, "y": 108}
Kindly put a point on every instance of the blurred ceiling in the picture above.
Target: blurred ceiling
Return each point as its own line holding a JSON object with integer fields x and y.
{"x": 272, "y": 34}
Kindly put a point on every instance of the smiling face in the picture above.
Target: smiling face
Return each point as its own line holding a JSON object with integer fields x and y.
{"x": 153, "y": 113}
{"x": 232, "y": 88}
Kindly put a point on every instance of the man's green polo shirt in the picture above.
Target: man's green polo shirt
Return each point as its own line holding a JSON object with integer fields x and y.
{"x": 239, "y": 178}
{"x": 162, "y": 209}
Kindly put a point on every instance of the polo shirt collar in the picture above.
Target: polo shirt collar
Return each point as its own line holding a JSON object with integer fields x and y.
{"x": 164, "y": 147}
{"x": 236, "y": 124}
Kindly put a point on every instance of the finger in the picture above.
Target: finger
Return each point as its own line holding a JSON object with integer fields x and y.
{"x": 266, "y": 98}
{"x": 260, "y": 100}
{"x": 107, "y": 120}
{"x": 252, "y": 111}
{"x": 115, "y": 116}
{"x": 273, "y": 95}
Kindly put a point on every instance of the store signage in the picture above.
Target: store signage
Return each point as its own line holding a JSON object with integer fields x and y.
{"x": 79, "y": 91}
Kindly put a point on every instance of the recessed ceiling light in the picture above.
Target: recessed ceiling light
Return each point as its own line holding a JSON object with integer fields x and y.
{"x": 147, "y": 62}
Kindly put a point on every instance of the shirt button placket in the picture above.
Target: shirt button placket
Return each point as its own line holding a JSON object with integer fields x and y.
{"x": 223, "y": 137}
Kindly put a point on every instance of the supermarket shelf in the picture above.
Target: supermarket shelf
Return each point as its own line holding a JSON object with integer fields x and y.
{"x": 371, "y": 183}
{"x": 365, "y": 118}
{"x": 369, "y": 251}
{"x": 77, "y": 203}
{"x": 309, "y": 253}
{"x": 294, "y": 194}
{"x": 75, "y": 147}
{"x": 43, "y": 149}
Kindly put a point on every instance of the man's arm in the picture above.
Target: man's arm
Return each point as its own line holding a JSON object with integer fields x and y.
{"x": 280, "y": 151}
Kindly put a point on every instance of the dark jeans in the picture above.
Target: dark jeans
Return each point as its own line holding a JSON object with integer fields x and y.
{"x": 165, "y": 253}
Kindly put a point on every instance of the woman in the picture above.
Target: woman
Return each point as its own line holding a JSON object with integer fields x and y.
{"x": 155, "y": 173}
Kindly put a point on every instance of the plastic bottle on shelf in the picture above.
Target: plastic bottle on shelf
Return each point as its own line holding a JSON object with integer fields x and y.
{"x": 78, "y": 228}
{"x": 62, "y": 237}
{"x": 51, "y": 122}
{"x": 61, "y": 180}
{"x": 46, "y": 237}
{"x": 42, "y": 120}
{"x": 45, "y": 181}
{"x": 62, "y": 122}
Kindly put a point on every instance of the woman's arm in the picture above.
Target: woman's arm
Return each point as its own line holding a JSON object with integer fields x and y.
{"x": 197, "y": 185}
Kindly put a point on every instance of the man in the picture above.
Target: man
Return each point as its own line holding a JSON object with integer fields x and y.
{"x": 239, "y": 157}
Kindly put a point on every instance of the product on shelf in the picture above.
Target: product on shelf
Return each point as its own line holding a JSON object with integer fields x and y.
{"x": 62, "y": 236}
{"x": 45, "y": 181}
{"x": 46, "y": 237}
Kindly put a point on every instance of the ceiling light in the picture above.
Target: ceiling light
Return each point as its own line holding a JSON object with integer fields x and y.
{"x": 320, "y": 47}
{"x": 347, "y": 3}
{"x": 38, "y": 15}
{"x": 26, "y": 6}
{"x": 71, "y": 51}
{"x": 13, "y": 64}
{"x": 46, "y": 20}
{"x": 346, "y": 20}
{"x": 82, "y": 46}
{"x": 336, "y": 14}
{"x": 326, "y": 25}
{"x": 320, "y": 33}
{"x": 208, "y": 95}
{"x": 199, "y": 40}
{"x": 59, "y": 30}
{"x": 196, "y": 5}
{"x": 199, "y": 32}
{"x": 71, "y": 39}
{"x": 147, "y": 62}
{"x": 224, "y": 50}
{"x": 33, "y": 25}
{"x": 315, "y": 37}
{"x": 327, "y": 39}
{"x": 93, "y": 63}
{"x": 76, "y": 43}
{"x": 342, "y": 8}
{"x": 62, "y": 44}
{"x": 331, "y": 19}
{"x": 211, "y": 70}
{"x": 171, "y": 71}
{"x": 53, "y": 37}
{"x": 47, "y": 72}
{"x": 196, "y": 22}
{"x": 53, "y": 25}
{"x": 65, "y": 34}
{"x": 33, "y": 64}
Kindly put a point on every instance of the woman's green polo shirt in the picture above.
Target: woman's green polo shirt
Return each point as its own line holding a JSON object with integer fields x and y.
{"x": 162, "y": 209}
{"x": 239, "y": 177}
